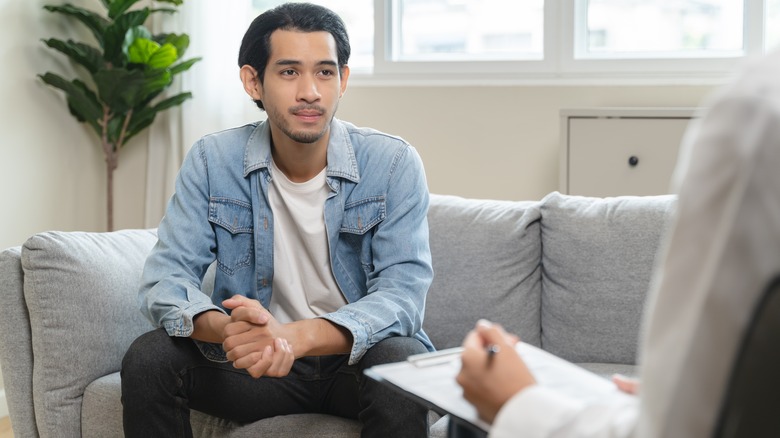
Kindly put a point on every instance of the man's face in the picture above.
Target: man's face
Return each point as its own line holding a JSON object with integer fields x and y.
{"x": 302, "y": 87}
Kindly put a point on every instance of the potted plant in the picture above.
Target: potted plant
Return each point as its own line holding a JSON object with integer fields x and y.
{"x": 126, "y": 71}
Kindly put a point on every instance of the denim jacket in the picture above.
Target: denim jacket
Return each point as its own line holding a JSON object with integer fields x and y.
{"x": 375, "y": 219}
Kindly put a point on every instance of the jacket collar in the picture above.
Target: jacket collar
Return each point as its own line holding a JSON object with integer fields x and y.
{"x": 341, "y": 155}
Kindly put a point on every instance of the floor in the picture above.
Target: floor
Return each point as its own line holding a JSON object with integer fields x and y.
{"x": 5, "y": 428}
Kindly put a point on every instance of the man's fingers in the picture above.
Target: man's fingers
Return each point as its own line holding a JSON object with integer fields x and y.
{"x": 626, "y": 384}
{"x": 492, "y": 333}
{"x": 261, "y": 366}
{"x": 282, "y": 360}
{"x": 254, "y": 315}
{"x": 238, "y": 301}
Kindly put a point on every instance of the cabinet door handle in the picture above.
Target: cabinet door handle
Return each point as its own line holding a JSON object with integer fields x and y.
{"x": 633, "y": 160}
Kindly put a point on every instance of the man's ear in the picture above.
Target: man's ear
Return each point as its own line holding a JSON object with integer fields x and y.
{"x": 251, "y": 81}
{"x": 344, "y": 73}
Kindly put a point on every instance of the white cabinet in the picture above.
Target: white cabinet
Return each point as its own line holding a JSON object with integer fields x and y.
{"x": 620, "y": 151}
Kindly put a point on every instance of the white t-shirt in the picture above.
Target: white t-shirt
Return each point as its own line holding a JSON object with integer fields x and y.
{"x": 303, "y": 284}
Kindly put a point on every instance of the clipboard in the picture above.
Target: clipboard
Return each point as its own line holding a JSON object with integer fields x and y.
{"x": 429, "y": 378}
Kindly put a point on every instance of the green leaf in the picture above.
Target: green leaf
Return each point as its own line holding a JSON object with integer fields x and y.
{"x": 114, "y": 129}
{"x": 143, "y": 117}
{"x": 116, "y": 32}
{"x": 156, "y": 81}
{"x": 184, "y": 66}
{"x": 117, "y": 7}
{"x": 148, "y": 52}
{"x": 83, "y": 103}
{"x": 84, "y": 54}
{"x": 93, "y": 21}
{"x": 181, "y": 42}
{"x": 133, "y": 34}
{"x": 121, "y": 89}
{"x": 173, "y": 2}
{"x": 173, "y": 101}
{"x": 141, "y": 51}
{"x": 164, "y": 10}
{"x": 163, "y": 57}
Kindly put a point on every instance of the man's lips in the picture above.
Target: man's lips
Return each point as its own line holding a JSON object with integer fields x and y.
{"x": 308, "y": 113}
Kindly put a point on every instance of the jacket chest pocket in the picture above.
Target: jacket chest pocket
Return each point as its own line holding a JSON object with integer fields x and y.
{"x": 233, "y": 226}
{"x": 360, "y": 218}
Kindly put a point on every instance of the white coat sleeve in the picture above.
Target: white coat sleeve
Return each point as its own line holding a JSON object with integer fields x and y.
{"x": 538, "y": 412}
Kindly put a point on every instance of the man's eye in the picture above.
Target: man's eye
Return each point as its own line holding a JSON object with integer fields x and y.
{"x": 327, "y": 72}
{"x": 288, "y": 72}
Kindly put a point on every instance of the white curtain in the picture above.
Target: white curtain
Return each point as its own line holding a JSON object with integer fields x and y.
{"x": 219, "y": 102}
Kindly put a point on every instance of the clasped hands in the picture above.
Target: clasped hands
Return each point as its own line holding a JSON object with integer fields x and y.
{"x": 255, "y": 341}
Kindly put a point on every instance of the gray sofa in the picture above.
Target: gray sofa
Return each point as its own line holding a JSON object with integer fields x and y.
{"x": 566, "y": 273}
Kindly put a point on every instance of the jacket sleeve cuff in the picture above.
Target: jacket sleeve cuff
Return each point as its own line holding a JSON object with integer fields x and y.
{"x": 183, "y": 326}
{"x": 360, "y": 333}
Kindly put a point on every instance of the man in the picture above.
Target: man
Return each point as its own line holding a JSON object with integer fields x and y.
{"x": 320, "y": 238}
{"x": 721, "y": 253}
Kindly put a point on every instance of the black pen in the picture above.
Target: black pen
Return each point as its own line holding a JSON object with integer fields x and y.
{"x": 491, "y": 350}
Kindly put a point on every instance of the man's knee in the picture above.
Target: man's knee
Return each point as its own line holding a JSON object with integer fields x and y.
{"x": 145, "y": 351}
{"x": 394, "y": 349}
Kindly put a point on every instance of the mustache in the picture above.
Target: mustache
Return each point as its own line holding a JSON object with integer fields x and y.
{"x": 307, "y": 107}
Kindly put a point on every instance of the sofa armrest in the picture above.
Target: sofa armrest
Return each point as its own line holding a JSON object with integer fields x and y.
{"x": 81, "y": 291}
{"x": 16, "y": 357}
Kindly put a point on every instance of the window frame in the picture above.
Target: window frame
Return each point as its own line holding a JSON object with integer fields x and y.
{"x": 559, "y": 64}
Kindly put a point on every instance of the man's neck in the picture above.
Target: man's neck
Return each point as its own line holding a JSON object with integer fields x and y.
{"x": 300, "y": 162}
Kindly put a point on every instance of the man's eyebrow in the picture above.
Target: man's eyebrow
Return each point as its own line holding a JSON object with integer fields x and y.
{"x": 296, "y": 62}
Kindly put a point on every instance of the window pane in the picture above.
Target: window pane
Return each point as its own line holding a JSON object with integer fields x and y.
{"x": 464, "y": 30}
{"x": 662, "y": 28}
{"x": 772, "y": 24}
{"x": 358, "y": 16}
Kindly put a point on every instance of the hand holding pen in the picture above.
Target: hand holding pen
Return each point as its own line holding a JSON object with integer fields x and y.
{"x": 492, "y": 370}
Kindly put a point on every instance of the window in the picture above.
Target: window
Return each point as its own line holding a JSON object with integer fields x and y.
{"x": 499, "y": 41}
{"x": 772, "y": 23}
{"x": 467, "y": 30}
{"x": 659, "y": 29}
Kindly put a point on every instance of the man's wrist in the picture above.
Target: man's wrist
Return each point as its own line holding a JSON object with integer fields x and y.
{"x": 209, "y": 326}
{"x": 317, "y": 337}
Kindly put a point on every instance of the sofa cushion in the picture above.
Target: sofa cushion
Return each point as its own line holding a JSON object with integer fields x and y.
{"x": 81, "y": 291}
{"x": 486, "y": 257}
{"x": 598, "y": 257}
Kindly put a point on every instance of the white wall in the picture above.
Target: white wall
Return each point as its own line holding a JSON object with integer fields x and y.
{"x": 52, "y": 169}
{"x": 489, "y": 142}
{"x": 493, "y": 142}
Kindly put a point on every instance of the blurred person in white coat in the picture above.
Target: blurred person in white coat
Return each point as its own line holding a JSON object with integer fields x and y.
{"x": 720, "y": 253}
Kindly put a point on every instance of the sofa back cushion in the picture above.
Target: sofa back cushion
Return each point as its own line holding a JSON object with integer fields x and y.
{"x": 486, "y": 257}
{"x": 81, "y": 291}
{"x": 597, "y": 261}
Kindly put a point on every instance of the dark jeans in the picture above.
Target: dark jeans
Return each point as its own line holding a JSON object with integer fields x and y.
{"x": 164, "y": 377}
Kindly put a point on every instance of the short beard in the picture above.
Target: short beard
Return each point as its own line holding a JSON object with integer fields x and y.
{"x": 305, "y": 137}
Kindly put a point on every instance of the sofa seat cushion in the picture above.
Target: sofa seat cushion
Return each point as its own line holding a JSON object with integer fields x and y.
{"x": 486, "y": 257}
{"x": 607, "y": 370}
{"x": 81, "y": 291}
{"x": 598, "y": 257}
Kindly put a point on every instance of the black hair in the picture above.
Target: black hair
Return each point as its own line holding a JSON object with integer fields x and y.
{"x": 306, "y": 17}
